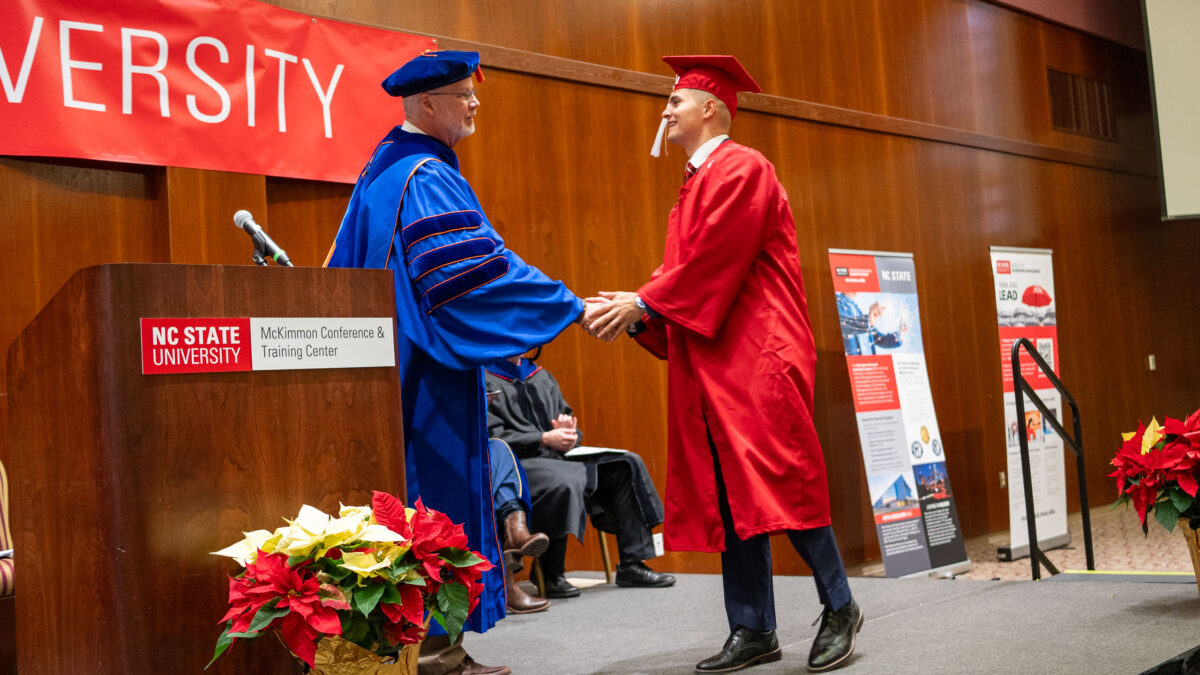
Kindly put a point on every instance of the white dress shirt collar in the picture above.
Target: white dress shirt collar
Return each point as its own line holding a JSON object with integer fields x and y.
{"x": 412, "y": 128}
{"x": 702, "y": 152}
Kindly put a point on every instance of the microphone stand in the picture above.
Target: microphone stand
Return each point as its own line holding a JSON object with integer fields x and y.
{"x": 258, "y": 255}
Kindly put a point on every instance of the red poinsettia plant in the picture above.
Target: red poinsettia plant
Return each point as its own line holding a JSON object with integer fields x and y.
{"x": 1158, "y": 469}
{"x": 373, "y": 575}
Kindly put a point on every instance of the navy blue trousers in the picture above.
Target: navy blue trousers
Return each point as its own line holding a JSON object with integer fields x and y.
{"x": 510, "y": 489}
{"x": 746, "y": 567}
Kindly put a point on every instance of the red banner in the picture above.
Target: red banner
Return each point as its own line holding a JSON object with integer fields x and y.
{"x": 232, "y": 85}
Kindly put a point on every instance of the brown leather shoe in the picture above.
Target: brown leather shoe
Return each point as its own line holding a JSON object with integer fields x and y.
{"x": 513, "y": 561}
{"x": 520, "y": 602}
{"x": 518, "y": 538}
{"x": 470, "y": 667}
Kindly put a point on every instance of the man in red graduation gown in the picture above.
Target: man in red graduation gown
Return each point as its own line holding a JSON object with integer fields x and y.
{"x": 727, "y": 311}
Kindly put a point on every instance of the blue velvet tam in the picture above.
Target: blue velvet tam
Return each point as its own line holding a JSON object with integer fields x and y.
{"x": 432, "y": 70}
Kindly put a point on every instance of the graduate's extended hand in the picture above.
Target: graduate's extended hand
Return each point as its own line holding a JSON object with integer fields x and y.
{"x": 614, "y": 316}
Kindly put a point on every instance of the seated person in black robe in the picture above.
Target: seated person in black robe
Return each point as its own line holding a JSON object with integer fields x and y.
{"x": 526, "y": 409}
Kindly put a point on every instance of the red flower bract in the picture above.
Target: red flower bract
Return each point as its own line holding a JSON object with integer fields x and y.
{"x": 433, "y": 531}
{"x": 407, "y": 618}
{"x": 270, "y": 578}
{"x": 1188, "y": 431}
{"x": 389, "y": 512}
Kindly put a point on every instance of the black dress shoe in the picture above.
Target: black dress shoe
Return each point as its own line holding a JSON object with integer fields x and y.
{"x": 638, "y": 574}
{"x": 744, "y": 648}
{"x": 835, "y": 639}
{"x": 559, "y": 587}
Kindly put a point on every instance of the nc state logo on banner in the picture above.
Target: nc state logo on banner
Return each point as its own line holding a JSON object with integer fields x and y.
{"x": 233, "y": 85}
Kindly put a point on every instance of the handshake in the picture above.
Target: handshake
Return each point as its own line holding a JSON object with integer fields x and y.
{"x": 607, "y": 316}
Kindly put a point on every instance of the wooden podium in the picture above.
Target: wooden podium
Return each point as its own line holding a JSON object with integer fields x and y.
{"x": 123, "y": 483}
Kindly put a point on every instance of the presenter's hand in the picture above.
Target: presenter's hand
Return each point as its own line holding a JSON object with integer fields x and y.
{"x": 564, "y": 422}
{"x": 618, "y": 313}
{"x": 590, "y": 308}
{"x": 559, "y": 440}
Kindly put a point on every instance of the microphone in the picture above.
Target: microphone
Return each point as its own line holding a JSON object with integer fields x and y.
{"x": 263, "y": 246}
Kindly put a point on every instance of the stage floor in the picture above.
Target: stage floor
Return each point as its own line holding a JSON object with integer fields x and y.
{"x": 912, "y": 626}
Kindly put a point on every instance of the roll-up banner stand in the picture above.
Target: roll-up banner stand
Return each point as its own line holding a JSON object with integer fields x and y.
{"x": 916, "y": 519}
{"x": 1026, "y": 307}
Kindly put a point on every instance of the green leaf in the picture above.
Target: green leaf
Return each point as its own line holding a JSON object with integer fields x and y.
{"x": 1123, "y": 500}
{"x": 1167, "y": 514}
{"x": 368, "y": 597}
{"x": 453, "y": 601}
{"x": 295, "y": 560}
{"x": 334, "y": 569}
{"x": 223, "y": 643}
{"x": 459, "y": 557}
{"x": 266, "y": 614}
{"x": 390, "y": 594}
{"x": 435, "y": 615}
{"x": 1180, "y": 499}
{"x": 402, "y": 566}
{"x": 356, "y": 629}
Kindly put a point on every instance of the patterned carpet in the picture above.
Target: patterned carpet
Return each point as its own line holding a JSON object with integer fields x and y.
{"x": 1117, "y": 540}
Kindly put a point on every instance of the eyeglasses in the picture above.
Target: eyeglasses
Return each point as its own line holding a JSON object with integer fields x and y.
{"x": 464, "y": 95}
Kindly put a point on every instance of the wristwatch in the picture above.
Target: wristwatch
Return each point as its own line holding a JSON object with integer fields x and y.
{"x": 638, "y": 326}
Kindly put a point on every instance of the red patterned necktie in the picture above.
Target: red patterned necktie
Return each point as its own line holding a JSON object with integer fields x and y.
{"x": 688, "y": 172}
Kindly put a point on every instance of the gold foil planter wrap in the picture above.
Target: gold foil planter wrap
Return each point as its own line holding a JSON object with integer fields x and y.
{"x": 336, "y": 656}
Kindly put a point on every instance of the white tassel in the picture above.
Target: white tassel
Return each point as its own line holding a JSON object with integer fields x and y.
{"x": 660, "y": 144}
{"x": 656, "y": 149}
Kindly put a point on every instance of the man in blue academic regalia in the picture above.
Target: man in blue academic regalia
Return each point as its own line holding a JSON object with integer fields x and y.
{"x": 462, "y": 301}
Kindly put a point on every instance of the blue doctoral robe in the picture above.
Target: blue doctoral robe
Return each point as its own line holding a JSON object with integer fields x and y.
{"x": 463, "y": 300}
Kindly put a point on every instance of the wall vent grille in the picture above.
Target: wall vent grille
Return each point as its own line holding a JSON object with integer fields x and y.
{"x": 1080, "y": 105}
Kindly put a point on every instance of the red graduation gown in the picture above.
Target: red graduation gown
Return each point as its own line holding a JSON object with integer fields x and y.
{"x": 736, "y": 335}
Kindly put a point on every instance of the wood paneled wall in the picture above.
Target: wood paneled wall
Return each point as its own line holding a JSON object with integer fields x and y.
{"x": 918, "y": 125}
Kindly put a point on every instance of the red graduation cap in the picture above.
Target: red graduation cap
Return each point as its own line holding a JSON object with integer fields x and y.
{"x": 720, "y": 75}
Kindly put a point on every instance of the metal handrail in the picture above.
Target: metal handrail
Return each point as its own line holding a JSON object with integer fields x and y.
{"x": 1022, "y": 386}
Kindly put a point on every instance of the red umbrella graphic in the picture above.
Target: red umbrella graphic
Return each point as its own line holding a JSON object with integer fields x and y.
{"x": 1036, "y": 296}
